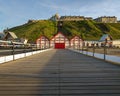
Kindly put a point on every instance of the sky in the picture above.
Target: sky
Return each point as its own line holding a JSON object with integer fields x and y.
{"x": 17, "y": 12}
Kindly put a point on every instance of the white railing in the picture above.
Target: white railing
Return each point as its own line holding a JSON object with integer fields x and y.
{"x": 106, "y": 57}
{"x": 4, "y": 59}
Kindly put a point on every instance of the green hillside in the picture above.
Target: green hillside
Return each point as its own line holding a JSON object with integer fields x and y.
{"x": 88, "y": 30}
{"x": 34, "y": 30}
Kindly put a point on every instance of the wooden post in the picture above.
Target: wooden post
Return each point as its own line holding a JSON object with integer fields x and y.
{"x": 13, "y": 50}
{"x": 25, "y": 50}
{"x": 105, "y": 49}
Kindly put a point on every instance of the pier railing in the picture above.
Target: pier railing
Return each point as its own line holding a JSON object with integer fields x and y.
{"x": 106, "y": 53}
{"x": 13, "y": 52}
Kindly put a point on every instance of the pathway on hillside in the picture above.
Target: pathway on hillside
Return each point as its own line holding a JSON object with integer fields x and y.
{"x": 59, "y": 73}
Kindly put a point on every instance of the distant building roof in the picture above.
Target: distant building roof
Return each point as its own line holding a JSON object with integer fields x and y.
{"x": 105, "y": 37}
{"x": 13, "y": 35}
{"x": 10, "y": 35}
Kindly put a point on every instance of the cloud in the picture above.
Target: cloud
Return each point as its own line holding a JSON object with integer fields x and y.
{"x": 79, "y": 7}
{"x": 14, "y": 12}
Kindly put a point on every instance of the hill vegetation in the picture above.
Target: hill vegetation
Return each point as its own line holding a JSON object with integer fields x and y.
{"x": 88, "y": 30}
{"x": 34, "y": 30}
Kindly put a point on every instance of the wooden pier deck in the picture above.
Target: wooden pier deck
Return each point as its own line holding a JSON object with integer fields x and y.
{"x": 59, "y": 73}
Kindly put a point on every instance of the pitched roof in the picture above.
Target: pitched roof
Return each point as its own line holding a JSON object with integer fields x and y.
{"x": 76, "y": 37}
{"x": 11, "y": 34}
{"x": 104, "y": 37}
{"x": 41, "y": 37}
{"x": 57, "y": 34}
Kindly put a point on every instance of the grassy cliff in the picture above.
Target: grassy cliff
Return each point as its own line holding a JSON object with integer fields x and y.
{"x": 34, "y": 30}
{"x": 88, "y": 30}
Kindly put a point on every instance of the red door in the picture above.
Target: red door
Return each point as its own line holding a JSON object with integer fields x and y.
{"x": 59, "y": 45}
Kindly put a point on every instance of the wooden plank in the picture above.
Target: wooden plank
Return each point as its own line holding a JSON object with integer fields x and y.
{"x": 59, "y": 73}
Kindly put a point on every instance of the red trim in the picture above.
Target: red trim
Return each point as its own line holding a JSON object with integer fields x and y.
{"x": 79, "y": 39}
{"x": 41, "y": 37}
{"x": 57, "y": 34}
{"x": 74, "y": 38}
{"x": 72, "y": 41}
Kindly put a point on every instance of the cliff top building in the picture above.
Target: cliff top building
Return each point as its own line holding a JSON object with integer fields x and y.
{"x": 56, "y": 17}
{"x": 106, "y": 19}
{"x": 102, "y": 19}
{"x": 74, "y": 18}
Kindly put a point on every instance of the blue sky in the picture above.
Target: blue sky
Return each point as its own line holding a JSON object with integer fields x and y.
{"x": 17, "y": 12}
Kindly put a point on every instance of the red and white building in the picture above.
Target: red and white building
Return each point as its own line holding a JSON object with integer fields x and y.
{"x": 43, "y": 42}
{"x": 76, "y": 42}
{"x": 59, "y": 41}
